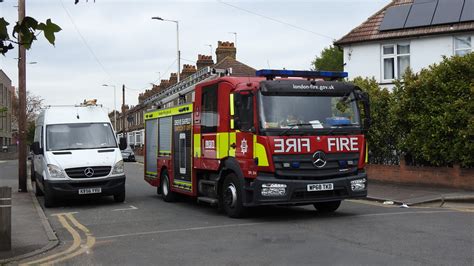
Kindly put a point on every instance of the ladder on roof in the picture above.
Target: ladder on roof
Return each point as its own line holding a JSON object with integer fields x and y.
{"x": 184, "y": 86}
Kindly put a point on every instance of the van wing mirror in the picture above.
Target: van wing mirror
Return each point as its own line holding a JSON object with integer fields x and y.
{"x": 122, "y": 143}
{"x": 36, "y": 148}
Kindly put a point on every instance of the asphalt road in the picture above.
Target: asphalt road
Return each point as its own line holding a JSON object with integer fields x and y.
{"x": 146, "y": 230}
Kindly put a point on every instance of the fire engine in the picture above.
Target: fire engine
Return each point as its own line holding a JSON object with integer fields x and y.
{"x": 284, "y": 137}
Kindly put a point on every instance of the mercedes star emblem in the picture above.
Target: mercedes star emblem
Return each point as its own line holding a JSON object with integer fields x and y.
{"x": 89, "y": 172}
{"x": 319, "y": 159}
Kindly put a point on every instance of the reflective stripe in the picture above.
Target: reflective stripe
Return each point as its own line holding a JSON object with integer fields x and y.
{"x": 222, "y": 145}
{"x": 182, "y": 109}
{"x": 260, "y": 153}
{"x": 366, "y": 152}
{"x": 197, "y": 145}
{"x": 231, "y": 103}
{"x": 232, "y": 139}
{"x": 232, "y": 123}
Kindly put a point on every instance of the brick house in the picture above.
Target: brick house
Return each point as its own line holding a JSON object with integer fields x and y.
{"x": 408, "y": 33}
{"x": 134, "y": 116}
{"x": 7, "y": 92}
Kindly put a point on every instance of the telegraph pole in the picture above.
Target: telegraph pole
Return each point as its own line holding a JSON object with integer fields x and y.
{"x": 22, "y": 104}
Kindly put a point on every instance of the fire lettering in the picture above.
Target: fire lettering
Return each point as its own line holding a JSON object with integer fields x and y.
{"x": 343, "y": 144}
{"x": 292, "y": 145}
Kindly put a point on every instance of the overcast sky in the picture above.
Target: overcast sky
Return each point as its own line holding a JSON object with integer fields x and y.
{"x": 116, "y": 42}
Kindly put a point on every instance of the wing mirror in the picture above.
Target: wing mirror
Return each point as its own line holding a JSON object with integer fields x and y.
{"x": 35, "y": 147}
{"x": 122, "y": 143}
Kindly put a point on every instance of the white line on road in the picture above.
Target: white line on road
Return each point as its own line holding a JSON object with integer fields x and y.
{"x": 179, "y": 230}
{"x": 402, "y": 213}
{"x": 126, "y": 209}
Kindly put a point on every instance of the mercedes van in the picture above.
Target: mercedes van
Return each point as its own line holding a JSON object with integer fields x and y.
{"x": 76, "y": 154}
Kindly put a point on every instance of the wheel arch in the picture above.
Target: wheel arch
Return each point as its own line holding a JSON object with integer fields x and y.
{"x": 229, "y": 165}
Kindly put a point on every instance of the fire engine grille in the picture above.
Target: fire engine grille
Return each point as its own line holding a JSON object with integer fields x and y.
{"x": 300, "y": 166}
{"x": 79, "y": 171}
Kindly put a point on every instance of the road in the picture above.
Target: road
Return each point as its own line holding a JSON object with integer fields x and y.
{"x": 146, "y": 230}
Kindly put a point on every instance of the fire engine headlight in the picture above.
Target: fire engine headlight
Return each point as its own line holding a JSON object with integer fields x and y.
{"x": 55, "y": 171}
{"x": 358, "y": 184}
{"x": 273, "y": 190}
{"x": 118, "y": 168}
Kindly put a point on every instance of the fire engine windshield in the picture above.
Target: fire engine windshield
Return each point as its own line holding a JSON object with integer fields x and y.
{"x": 79, "y": 136}
{"x": 308, "y": 112}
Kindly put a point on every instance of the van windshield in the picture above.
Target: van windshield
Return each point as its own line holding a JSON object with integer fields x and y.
{"x": 79, "y": 136}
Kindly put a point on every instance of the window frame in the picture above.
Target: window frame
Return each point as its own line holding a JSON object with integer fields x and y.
{"x": 455, "y": 49}
{"x": 395, "y": 56}
{"x": 212, "y": 90}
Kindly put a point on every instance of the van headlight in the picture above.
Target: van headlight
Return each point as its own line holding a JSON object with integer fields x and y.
{"x": 118, "y": 168}
{"x": 55, "y": 171}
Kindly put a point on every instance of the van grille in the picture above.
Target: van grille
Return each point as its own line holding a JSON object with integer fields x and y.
{"x": 79, "y": 172}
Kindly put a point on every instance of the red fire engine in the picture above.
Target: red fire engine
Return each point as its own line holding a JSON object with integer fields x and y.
{"x": 250, "y": 141}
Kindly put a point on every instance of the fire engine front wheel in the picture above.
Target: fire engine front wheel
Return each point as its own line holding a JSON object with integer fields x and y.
{"x": 326, "y": 207}
{"x": 231, "y": 196}
{"x": 166, "y": 193}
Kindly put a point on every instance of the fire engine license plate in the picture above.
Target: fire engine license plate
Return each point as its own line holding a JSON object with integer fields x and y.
{"x": 320, "y": 187}
{"x": 94, "y": 190}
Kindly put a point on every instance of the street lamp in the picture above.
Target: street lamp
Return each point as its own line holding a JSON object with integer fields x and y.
{"x": 115, "y": 105}
{"x": 177, "y": 41}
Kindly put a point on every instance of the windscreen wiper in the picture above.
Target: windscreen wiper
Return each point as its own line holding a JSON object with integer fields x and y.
{"x": 291, "y": 126}
{"x": 338, "y": 127}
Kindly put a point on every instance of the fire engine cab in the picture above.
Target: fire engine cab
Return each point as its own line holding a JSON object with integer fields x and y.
{"x": 281, "y": 138}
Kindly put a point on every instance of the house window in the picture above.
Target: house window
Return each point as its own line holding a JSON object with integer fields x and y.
{"x": 395, "y": 61}
{"x": 462, "y": 45}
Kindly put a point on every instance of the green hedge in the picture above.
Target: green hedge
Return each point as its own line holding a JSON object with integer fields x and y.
{"x": 428, "y": 118}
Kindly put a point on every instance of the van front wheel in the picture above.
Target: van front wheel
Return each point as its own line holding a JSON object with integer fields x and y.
{"x": 48, "y": 199}
{"x": 120, "y": 197}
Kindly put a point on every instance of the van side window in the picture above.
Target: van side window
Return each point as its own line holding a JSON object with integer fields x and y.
{"x": 209, "y": 115}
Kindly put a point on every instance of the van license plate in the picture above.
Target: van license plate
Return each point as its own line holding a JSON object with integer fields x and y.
{"x": 94, "y": 190}
{"x": 320, "y": 187}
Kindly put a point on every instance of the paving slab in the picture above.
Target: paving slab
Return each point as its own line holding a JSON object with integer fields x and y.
{"x": 31, "y": 232}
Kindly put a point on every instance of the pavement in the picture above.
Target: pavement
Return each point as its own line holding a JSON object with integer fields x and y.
{"x": 33, "y": 235}
{"x": 31, "y": 231}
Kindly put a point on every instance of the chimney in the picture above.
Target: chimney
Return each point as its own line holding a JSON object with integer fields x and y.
{"x": 173, "y": 78}
{"x": 225, "y": 49}
{"x": 204, "y": 61}
{"x": 188, "y": 70}
{"x": 164, "y": 84}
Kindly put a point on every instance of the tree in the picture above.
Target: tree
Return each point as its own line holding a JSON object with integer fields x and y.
{"x": 34, "y": 104}
{"x": 331, "y": 59}
{"x": 26, "y": 31}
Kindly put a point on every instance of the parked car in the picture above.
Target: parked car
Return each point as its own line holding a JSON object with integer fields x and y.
{"x": 128, "y": 155}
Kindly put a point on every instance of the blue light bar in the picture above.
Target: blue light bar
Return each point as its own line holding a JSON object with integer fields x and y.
{"x": 271, "y": 73}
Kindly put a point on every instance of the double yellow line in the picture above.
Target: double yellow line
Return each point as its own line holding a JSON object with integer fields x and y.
{"x": 79, "y": 245}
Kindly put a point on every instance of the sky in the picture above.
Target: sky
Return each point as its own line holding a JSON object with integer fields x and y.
{"x": 117, "y": 42}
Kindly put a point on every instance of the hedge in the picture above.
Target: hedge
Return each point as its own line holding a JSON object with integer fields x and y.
{"x": 428, "y": 118}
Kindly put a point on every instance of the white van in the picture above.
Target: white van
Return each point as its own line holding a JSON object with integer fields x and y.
{"x": 76, "y": 153}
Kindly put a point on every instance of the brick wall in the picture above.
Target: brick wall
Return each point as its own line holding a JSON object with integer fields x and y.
{"x": 452, "y": 177}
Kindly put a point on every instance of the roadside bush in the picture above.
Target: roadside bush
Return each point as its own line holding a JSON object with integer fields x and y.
{"x": 434, "y": 113}
{"x": 382, "y": 137}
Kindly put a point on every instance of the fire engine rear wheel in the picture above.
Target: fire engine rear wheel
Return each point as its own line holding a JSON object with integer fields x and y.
{"x": 327, "y": 207}
{"x": 166, "y": 193}
{"x": 231, "y": 195}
